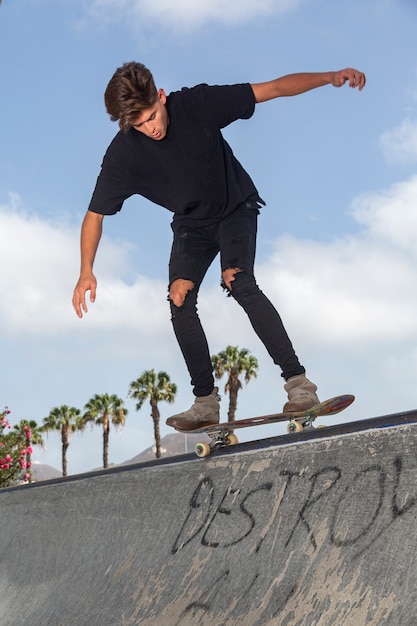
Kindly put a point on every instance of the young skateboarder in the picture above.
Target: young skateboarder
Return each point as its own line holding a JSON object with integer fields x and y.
{"x": 170, "y": 150}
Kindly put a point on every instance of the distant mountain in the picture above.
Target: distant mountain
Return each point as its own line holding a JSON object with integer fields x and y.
{"x": 171, "y": 445}
{"x": 40, "y": 471}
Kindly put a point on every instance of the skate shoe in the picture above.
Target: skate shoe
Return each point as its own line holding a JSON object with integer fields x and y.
{"x": 301, "y": 394}
{"x": 204, "y": 412}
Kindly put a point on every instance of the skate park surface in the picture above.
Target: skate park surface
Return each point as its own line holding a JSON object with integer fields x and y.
{"x": 316, "y": 528}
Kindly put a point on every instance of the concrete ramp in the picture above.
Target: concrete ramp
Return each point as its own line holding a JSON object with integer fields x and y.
{"x": 317, "y": 528}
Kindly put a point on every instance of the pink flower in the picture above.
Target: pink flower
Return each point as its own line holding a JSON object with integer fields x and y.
{"x": 30, "y": 450}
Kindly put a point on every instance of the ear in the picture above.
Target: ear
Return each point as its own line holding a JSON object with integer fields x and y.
{"x": 162, "y": 96}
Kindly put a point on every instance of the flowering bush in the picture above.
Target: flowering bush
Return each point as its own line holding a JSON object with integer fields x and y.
{"x": 15, "y": 453}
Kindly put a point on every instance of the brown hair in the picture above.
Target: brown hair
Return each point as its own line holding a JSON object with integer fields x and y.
{"x": 130, "y": 90}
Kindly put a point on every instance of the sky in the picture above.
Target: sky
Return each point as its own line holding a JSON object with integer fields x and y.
{"x": 337, "y": 243}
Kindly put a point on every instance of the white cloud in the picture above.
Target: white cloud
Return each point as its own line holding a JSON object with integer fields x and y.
{"x": 185, "y": 14}
{"x": 40, "y": 260}
{"x": 390, "y": 217}
{"x": 357, "y": 288}
{"x": 343, "y": 292}
{"x": 400, "y": 144}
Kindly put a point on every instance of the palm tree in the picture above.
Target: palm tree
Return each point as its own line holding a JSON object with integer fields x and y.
{"x": 20, "y": 432}
{"x": 66, "y": 420}
{"x": 234, "y": 362}
{"x": 102, "y": 410}
{"x": 156, "y": 388}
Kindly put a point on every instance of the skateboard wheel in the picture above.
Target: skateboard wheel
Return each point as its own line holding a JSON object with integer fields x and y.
{"x": 202, "y": 449}
{"x": 231, "y": 440}
{"x": 295, "y": 427}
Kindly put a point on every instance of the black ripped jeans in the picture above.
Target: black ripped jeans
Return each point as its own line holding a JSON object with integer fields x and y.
{"x": 193, "y": 251}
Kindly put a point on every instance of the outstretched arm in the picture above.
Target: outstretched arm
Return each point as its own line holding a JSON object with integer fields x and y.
{"x": 294, "y": 84}
{"x": 90, "y": 238}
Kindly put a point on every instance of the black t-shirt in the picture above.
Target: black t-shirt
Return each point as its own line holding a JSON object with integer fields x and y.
{"x": 192, "y": 171}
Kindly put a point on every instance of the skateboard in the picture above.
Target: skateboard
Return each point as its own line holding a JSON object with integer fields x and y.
{"x": 222, "y": 434}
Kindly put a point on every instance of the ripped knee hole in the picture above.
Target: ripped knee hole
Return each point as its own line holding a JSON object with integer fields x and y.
{"x": 178, "y": 291}
{"x": 229, "y": 276}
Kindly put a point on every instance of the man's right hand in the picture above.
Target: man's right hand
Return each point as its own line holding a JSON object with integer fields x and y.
{"x": 90, "y": 237}
{"x": 85, "y": 283}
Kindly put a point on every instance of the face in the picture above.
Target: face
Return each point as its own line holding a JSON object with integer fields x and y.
{"x": 153, "y": 122}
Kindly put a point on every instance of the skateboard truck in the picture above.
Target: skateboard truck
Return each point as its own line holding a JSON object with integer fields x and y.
{"x": 218, "y": 438}
{"x": 298, "y": 425}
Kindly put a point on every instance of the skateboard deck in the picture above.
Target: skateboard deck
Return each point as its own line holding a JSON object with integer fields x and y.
{"x": 223, "y": 434}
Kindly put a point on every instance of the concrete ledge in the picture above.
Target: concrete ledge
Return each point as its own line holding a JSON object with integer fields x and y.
{"x": 317, "y": 528}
